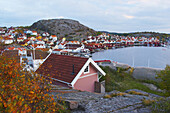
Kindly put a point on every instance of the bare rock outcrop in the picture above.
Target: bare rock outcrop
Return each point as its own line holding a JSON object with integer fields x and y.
{"x": 63, "y": 28}
{"x": 86, "y": 102}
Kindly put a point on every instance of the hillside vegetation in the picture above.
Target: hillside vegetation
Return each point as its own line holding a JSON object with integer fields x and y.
{"x": 122, "y": 80}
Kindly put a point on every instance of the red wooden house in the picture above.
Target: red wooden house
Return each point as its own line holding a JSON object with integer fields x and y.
{"x": 74, "y": 72}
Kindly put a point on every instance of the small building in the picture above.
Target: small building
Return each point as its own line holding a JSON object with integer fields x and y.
{"x": 36, "y": 58}
{"x": 57, "y": 51}
{"x": 75, "y": 48}
{"x": 7, "y": 40}
{"x": 53, "y": 37}
{"x": 2, "y": 31}
{"x": 45, "y": 34}
{"x": 74, "y": 72}
{"x": 20, "y": 40}
{"x": 28, "y": 32}
{"x": 34, "y": 33}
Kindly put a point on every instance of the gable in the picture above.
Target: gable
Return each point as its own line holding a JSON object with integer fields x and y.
{"x": 84, "y": 67}
{"x": 91, "y": 70}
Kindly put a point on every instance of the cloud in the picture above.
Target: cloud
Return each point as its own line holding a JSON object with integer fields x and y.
{"x": 128, "y": 16}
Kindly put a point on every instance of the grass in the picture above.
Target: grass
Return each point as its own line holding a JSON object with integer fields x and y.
{"x": 122, "y": 81}
{"x": 161, "y": 106}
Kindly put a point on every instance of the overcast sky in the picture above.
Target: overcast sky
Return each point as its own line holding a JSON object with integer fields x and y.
{"x": 107, "y": 15}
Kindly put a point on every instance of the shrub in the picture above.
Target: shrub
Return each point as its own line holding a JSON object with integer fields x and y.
{"x": 115, "y": 95}
{"x": 131, "y": 70}
{"x": 164, "y": 75}
{"x": 118, "y": 94}
{"x": 137, "y": 93}
{"x": 147, "y": 102}
{"x": 107, "y": 96}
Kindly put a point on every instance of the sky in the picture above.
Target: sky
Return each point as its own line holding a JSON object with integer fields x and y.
{"x": 101, "y": 15}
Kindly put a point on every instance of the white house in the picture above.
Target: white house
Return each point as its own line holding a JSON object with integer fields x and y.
{"x": 8, "y": 40}
{"x": 34, "y": 33}
{"x": 36, "y": 58}
{"x": 28, "y": 32}
{"x": 20, "y": 40}
{"x": 53, "y": 37}
{"x": 74, "y": 47}
{"x": 2, "y": 32}
{"x": 45, "y": 34}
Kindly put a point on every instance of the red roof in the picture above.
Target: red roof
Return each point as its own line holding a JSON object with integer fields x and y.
{"x": 61, "y": 67}
{"x": 11, "y": 48}
{"x": 34, "y": 31}
{"x": 53, "y": 36}
{"x": 57, "y": 49}
{"x": 20, "y": 38}
{"x": 43, "y": 49}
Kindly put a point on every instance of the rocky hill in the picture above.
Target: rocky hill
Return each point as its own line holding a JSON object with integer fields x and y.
{"x": 63, "y": 28}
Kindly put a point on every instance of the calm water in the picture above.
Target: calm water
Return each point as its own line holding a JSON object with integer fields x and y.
{"x": 155, "y": 57}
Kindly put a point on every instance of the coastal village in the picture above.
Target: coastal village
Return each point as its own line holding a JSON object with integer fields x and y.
{"x": 32, "y": 48}
{"x": 69, "y": 64}
{"x": 84, "y": 56}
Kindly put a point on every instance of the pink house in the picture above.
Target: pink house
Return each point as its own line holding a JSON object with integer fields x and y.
{"x": 74, "y": 72}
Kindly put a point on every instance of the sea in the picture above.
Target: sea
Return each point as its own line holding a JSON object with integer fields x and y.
{"x": 153, "y": 57}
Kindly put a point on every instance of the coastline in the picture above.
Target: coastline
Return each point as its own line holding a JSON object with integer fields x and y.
{"x": 144, "y": 57}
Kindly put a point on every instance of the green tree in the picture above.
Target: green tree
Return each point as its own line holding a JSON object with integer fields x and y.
{"x": 99, "y": 33}
{"x": 164, "y": 75}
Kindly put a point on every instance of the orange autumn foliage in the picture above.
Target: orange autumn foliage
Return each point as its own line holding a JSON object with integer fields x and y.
{"x": 21, "y": 91}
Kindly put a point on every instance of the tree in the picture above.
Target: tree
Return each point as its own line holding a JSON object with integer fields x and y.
{"x": 164, "y": 75}
{"x": 21, "y": 91}
{"x": 99, "y": 33}
{"x": 163, "y": 39}
{"x": 158, "y": 37}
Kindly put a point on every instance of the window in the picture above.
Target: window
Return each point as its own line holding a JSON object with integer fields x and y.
{"x": 86, "y": 70}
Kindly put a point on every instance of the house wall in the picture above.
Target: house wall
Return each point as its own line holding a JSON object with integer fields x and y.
{"x": 86, "y": 82}
{"x": 8, "y": 41}
{"x": 37, "y": 63}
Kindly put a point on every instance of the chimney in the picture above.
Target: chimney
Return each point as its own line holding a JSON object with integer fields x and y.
{"x": 73, "y": 70}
